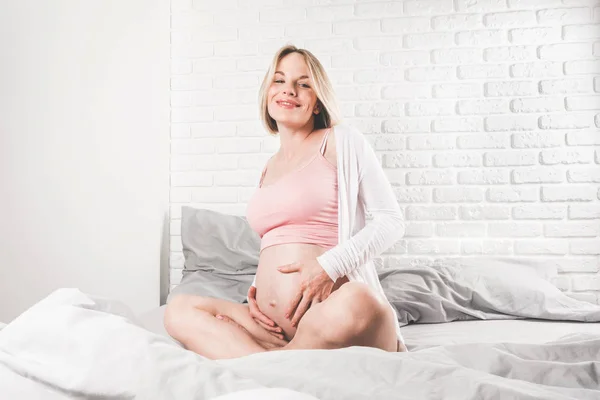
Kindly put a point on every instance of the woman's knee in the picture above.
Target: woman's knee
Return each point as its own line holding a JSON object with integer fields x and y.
{"x": 359, "y": 297}
{"x": 178, "y": 309}
{"x": 351, "y": 310}
{"x": 173, "y": 311}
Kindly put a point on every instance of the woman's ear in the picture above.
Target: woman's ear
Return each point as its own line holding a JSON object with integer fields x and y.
{"x": 317, "y": 108}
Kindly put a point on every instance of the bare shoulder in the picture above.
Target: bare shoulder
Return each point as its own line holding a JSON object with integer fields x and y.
{"x": 271, "y": 161}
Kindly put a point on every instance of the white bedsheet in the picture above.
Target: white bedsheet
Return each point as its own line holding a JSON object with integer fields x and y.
{"x": 420, "y": 336}
{"x": 72, "y": 346}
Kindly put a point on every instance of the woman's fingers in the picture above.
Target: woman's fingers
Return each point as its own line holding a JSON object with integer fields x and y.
{"x": 300, "y": 311}
{"x": 263, "y": 318}
{"x": 294, "y": 304}
{"x": 277, "y": 335}
{"x": 255, "y": 311}
{"x": 225, "y": 318}
{"x": 269, "y": 328}
{"x": 272, "y": 331}
{"x": 264, "y": 321}
{"x": 260, "y": 318}
{"x": 276, "y": 340}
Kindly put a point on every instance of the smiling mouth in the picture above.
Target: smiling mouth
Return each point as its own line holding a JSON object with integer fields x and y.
{"x": 287, "y": 104}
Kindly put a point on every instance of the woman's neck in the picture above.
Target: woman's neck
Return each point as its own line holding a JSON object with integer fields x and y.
{"x": 292, "y": 140}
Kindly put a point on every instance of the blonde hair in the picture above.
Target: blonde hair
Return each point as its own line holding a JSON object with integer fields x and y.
{"x": 329, "y": 114}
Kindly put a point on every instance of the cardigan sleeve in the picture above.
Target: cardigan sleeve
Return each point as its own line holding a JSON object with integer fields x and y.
{"x": 386, "y": 227}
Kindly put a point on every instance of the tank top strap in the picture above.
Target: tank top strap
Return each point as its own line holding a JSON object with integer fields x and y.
{"x": 264, "y": 171}
{"x": 324, "y": 143}
{"x": 262, "y": 176}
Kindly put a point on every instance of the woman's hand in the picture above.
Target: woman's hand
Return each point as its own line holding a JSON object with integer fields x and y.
{"x": 315, "y": 287}
{"x": 261, "y": 318}
{"x": 263, "y": 338}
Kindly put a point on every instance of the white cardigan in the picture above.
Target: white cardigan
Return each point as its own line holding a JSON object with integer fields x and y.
{"x": 363, "y": 189}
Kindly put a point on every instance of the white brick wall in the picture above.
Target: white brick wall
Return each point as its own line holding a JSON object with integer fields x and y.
{"x": 485, "y": 114}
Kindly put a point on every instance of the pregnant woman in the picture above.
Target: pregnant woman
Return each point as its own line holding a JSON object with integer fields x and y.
{"x": 316, "y": 285}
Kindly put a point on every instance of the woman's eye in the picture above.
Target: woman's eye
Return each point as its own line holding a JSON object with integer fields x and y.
{"x": 304, "y": 85}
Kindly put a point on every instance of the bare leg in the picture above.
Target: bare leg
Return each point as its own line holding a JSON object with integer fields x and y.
{"x": 351, "y": 316}
{"x": 191, "y": 320}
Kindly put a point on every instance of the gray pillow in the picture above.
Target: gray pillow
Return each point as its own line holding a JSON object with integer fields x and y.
{"x": 213, "y": 284}
{"x": 221, "y": 254}
{"x": 486, "y": 288}
{"x": 217, "y": 242}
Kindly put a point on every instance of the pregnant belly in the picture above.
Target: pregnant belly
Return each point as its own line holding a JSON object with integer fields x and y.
{"x": 276, "y": 290}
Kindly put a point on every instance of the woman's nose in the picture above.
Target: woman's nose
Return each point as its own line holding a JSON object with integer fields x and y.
{"x": 289, "y": 90}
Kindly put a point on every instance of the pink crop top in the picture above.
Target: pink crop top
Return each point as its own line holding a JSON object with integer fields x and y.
{"x": 301, "y": 207}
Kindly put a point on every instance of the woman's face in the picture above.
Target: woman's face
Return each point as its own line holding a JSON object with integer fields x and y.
{"x": 291, "y": 98}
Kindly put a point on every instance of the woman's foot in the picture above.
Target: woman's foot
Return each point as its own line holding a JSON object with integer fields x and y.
{"x": 225, "y": 318}
{"x": 401, "y": 347}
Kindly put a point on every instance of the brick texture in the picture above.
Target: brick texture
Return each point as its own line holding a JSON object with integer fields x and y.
{"x": 485, "y": 115}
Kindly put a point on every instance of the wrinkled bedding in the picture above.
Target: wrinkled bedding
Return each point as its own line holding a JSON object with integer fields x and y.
{"x": 73, "y": 345}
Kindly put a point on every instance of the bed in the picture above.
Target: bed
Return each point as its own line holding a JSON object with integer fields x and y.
{"x": 475, "y": 329}
{"x": 72, "y": 345}
{"x": 422, "y": 336}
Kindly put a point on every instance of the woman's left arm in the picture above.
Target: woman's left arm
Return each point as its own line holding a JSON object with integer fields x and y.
{"x": 386, "y": 227}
